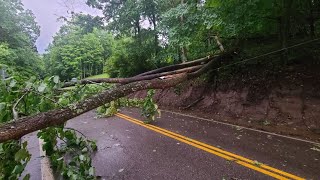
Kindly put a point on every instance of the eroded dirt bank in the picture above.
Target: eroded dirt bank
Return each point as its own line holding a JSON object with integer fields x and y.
{"x": 285, "y": 101}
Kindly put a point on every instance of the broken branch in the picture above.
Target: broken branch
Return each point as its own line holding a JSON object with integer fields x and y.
{"x": 136, "y": 78}
{"x": 20, "y": 127}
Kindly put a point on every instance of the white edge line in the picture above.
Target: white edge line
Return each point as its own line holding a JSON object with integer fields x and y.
{"x": 256, "y": 130}
{"x": 46, "y": 171}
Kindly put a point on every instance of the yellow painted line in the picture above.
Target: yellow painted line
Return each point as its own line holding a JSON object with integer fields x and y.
{"x": 278, "y": 174}
{"x": 225, "y": 152}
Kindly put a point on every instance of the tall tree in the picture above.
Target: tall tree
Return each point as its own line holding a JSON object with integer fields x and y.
{"x": 19, "y": 31}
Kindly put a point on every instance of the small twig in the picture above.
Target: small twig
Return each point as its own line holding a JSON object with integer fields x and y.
{"x": 219, "y": 43}
{"x": 76, "y": 131}
{"x": 92, "y": 82}
{"x": 69, "y": 147}
{"x": 193, "y": 103}
{"x": 14, "y": 111}
{"x": 86, "y": 139}
{"x": 54, "y": 101}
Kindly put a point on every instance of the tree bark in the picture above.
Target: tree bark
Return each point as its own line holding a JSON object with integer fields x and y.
{"x": 219, "y": 43}
{"x": 285, "y": 27}
{"x": 184, "y": 54}
{"x": 156, "y": 42}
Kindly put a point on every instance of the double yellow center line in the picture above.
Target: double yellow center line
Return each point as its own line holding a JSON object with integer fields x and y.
{"x": 267, "y": 170}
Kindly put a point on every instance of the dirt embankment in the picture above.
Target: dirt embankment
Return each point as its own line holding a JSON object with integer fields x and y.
{"x": 285, "y": 101}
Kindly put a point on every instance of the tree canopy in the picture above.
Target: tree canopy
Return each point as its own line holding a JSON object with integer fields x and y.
{"x": 18, "y": 34}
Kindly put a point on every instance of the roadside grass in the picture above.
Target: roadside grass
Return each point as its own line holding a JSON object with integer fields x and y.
{"x": 105, "y": 75}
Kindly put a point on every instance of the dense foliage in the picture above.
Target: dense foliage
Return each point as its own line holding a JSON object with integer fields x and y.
{"x": 18, "y": 34}
{"x": 149, "y": 109}
{"x": 20, "y": 61}
{"x": 135, "y": 36}
{"x": 68, "y": 152}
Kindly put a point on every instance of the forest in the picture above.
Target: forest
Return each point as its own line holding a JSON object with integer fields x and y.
{"x": 132, "y": 37}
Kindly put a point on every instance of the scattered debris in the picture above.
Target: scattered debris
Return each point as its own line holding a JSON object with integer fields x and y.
{"x": 315, "y": 149}
{"x": 266, "y": 123}
{"x": 257, "y": 163}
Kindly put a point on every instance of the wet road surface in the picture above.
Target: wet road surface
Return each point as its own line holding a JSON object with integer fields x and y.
{"x": 128, "y": 150}
{"x": 34, "y": 166}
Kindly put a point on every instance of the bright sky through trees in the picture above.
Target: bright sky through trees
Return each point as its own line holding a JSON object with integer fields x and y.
{"x": 48, "y": 11}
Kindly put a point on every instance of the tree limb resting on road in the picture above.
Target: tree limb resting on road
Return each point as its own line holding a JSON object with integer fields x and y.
{"x": 20, "y": 127}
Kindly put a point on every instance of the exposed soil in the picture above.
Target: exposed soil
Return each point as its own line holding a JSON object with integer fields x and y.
{"x": 282, "y": 100}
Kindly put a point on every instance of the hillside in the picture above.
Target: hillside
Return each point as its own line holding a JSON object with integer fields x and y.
{"x": 283, "y": 101}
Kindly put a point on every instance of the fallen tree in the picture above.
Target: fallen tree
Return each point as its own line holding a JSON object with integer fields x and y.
{"x": 20, "y": 127}
{"x": 136, "y": 78}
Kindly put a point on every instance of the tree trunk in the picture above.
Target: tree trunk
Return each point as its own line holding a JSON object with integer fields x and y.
{"x": 184, "y": 54}
{"x": 183, "y": 48}
{"x": 178, "y": 66}
{"x": 136, "y": 78}
{"x": 137, "y": 24}
{"x": 156, "y": 43}
{"x": 285, "y": 28}
{"x": 311, "y": 20}
{"x": 219, "y": 43}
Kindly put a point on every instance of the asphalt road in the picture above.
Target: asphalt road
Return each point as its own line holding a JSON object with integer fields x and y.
{"x": 182, "y": 147}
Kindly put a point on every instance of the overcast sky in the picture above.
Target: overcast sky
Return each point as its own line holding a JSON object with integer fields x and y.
{"x": 47, "y": 12}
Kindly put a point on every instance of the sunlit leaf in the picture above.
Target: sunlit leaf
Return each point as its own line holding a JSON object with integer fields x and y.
{"x": 56, "y": 79}
{"x": 13, "y": 83}
{"x": 42, "y": 87}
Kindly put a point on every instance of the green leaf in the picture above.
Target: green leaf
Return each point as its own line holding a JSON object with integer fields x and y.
{"x": 2, "y": 106}
{"x": 56, "y": 79}
{"x": 28, "y": 85}
{"x": 82, "y": 157}
{"x": 70, "y": 173}
{"x": 22, "y": 154}
{"x": 91, "y": 171}
{"x": 24, "y": 144}
{"x": 26, "y": 177}
{"x": 42, "y": 87}
{"x": 85, "y": 149}
{"x": 12, "y": 83}
{"x": 18, "y": 169}
{"x": 94, "y": 146}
